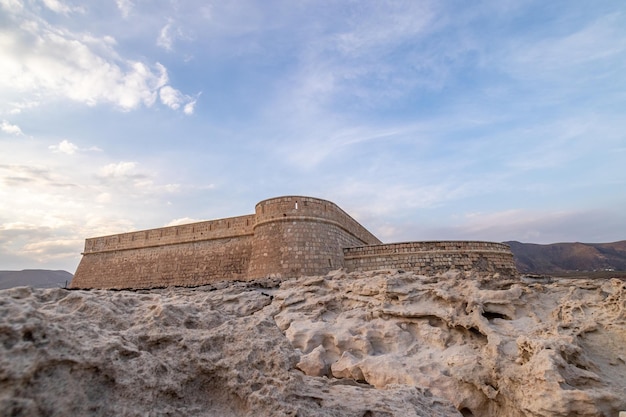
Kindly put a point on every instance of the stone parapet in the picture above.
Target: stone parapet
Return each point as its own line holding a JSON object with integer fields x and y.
{"x": 300, "y": 208}
{"x": 186, "y": 233}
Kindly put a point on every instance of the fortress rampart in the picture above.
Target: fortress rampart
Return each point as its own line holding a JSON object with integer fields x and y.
{"x": 432, "y": 257}
{"x": 195, "y": 232}
{"x": 289, "y": 236}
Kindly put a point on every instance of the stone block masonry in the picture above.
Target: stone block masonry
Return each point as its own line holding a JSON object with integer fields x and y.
{"x": 290, "y": 236}
{"x": 287, "y": 236}
{"x": 432, "y": 257}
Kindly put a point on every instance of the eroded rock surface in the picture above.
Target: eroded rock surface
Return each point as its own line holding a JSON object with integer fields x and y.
{"x": 371, "y": 344}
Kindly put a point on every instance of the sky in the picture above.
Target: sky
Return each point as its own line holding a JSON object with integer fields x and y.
{"x": 425, "y": 120}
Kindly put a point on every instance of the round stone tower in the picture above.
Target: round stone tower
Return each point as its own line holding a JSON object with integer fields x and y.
{"x": 296, "y": 236}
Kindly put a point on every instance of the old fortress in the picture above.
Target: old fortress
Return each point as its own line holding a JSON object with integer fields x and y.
{"x": 286, "y": 236}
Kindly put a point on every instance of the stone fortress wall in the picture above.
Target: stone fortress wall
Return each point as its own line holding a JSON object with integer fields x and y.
{"x": 178, "y": 255}
{"x": 432, "y": 257}
{"x": 287, "y": 236}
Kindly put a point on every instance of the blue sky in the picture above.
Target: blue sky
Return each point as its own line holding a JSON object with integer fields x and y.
{"x": 425, "y": 120}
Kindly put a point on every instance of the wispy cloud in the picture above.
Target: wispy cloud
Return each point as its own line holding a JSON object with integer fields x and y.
{"x": 52, "y": 249}
{"x": 9, "y": 128}
{"x": 182, "y": 220}
{"x": 33, "y": 173}
{"x": 174, "y": 99}
{"x": 326, "y": 140}
{"x": 65, "y": 147}
{"x": 123, "y": 169}
{"x": 552, "y": 56}
{"x": 125, "y": 7}
{"x": 68, "y": 148}
{"x": 47, "y": 61}
{"x": 167, "y": 35}
{"x": 525, "y": 225}
{"x": 63, "y": 201}
{"x": 60, "y": 7}
{"x": 424, "y": 120}
{"x": 12, "y": 5}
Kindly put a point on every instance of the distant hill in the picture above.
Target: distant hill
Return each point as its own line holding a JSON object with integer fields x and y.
{"x": 40, "y": 278}
{"x": 566, "y": 257}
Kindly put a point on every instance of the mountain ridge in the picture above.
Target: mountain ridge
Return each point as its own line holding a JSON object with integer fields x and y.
{"x": 38, "y": 278}
{"x": 568, "y": 257}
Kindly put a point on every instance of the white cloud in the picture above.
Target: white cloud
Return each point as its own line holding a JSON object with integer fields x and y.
{"x": 599, "y": 46}
{"x": 48, "y": 206}
{"x": 52, "y": 249}
{"x": 144, "y": 183}
{"x": 65, "y": 147}
{"x": 49, "y": 62}
{"x": 118, "y": 170}
{"x": 171, "y": 187}
{"x": 525, "y": 225}
{"x": 381, "y": 26}
{"x": 183, "y": 220}
{"x": 7, "y": 127}
{"x": 125, "y": 7}
{"x": 174, "y": 99}
{"x": 27, "y": 174}
{"x": 326, "y": 140}
{"x": 189, "y": 107}
{"x": 171, "y": 97}
{"x": 374, "y": 55}
{"x": 17, "y": 107}
{"x": 103, "y": 198}
{"x": 165, "y": 37}
{"x": 125, "y": 178}
{"x": 169, "y": 33}
{"x": 12, "y": 5}
{"x": 385, "y": 197}
{"x": 60, "y": 7}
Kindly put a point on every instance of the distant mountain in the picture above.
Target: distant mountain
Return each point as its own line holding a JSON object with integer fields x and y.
{"x": 564, "y": 257}
{"x": 40, "y": 278}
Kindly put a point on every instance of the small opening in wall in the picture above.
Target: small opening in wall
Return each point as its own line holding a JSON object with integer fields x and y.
{"x": 296, "y": 205}
{"x": 330, "y": 263}
{"x": 228, "y": 225}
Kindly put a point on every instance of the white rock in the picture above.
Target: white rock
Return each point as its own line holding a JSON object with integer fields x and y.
{"x": 313, "y": 363}
{"x": 388, "y": 343}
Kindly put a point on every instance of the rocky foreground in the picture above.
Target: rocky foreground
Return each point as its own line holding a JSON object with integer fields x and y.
{"x": 363, "y": 344}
